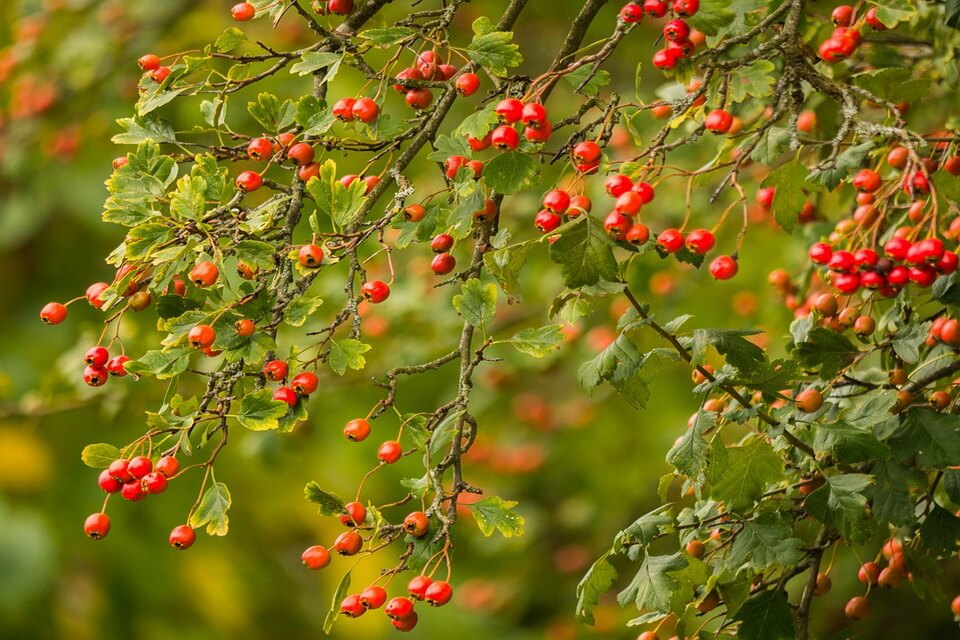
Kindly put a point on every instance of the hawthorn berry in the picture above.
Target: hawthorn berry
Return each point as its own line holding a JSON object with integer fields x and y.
{"x": 676, "y": 31}
{"x": 505, "y": 138}
{"x": 645, "y": 191}
{"x": 155, "y": 482}
{"x": 375, "y": 291}
{"x": 93, "y": 294}
{"x": 718, "y": 121}
{"x": 955, "y": 606}
{"x": 148, "y": 62}
{"x": 389, "y": 452}
{"x": 340, "y": 7}
{"x": 586, "y": 152}
{"x": 443, "y": 263}
{"x": 108, "y": 483}
{"x": 414, "y": 213}
{"x": 579, "y": 205}
{"x": 356, "y": 514}
{"x": 204, "y": 274}
{"x": 352, "y": 607}
{"x": 546, "y": 221}
{"x": 556, "y": 201}
{"x": 823, "y": 584}
{"x": 168, "y": 466}
{"x": 631, "y": 13}
{"x": 695, "y": 548}
{"x": 133, "y": 491}
{"x": 275, "y": 370}
{"x": 467, "y": 84}
{"x": 616, "y": 225}
{"x": 671, "y": 240}
{"x": 628, "y": 203}
{"x": 637, "y": 234}
{"x": 871, "y": 19}
{"x": 479, "y": 144}
{"x": 182, "y": 537}
{"x": 842, "y": 16}
{"x": 399, "y": 608}
{"x": 533, "y": 115}
{"x": 304, "y": 383}
{"x": 667, "y": 59}
{"x": 139, "y": 467}
{"x": 438, "y": 593}
{"x": 857, "y": 608}
{"x": 310, "y": 256}
{"x": 373, "y": 597}
{"x": 686, "y": 8}
{"x": 700, "y": 241}
{"x": 418, "y": 586}
{"x": 315, "y": 557}
{"x": 53, "y": 313}
{"x": 348, "y": 543}
{"x": 617, "y": 184}
{"x": 868, "y": 573}
{"x": 867, "y": 180}
{"x": 243, "y": 11}
{"x": 96, "y": 357}
{"x": 97, "y": 526}
{"x": 201, "y": 336}
{"x": 655, "y": 8}
{"x": 898, "y": 157}
{"x": 419, "y": 97}
{"x": 723, "y": 268}
{"x": 809, "y": 400}
{"x": 509, "y": 110}
{"x": 160, "y": 74}
{"x": 416, "y": 524}
{"x": 259, "y": 148}
{"x": 95, "y": 376}
{"x": 249, "y": 181}
{"x": 120, "y": 161}
{"x": 118, "y": 469}
{"x": 405, "y": 624}
{"x": 244, "y": 327}
{"x": 441, "y": 243}
{"x": 285, "y": 394}
{"x": 301, "y": 154}
{"x": 366, "y": 110}
{"x": 356, "y": 430}
{"x": 343, "y": 109}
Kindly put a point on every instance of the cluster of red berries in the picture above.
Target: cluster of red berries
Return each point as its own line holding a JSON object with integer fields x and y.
{"x": 872, "y": 575}
{"x": 427, "y": 66}
{"x": 135, "y": 479}
{"x": 337, "y": 7}
{"x": 101, "y": 366}
{"x": 682, "y": 41}
{"x": 846, "y": 37}
{"x": 151, "y": 64}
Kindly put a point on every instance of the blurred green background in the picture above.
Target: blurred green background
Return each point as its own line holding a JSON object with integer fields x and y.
{"x": 582, "y": 468}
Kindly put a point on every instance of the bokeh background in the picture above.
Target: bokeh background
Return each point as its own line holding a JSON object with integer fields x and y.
{"x": 582, "y": 468}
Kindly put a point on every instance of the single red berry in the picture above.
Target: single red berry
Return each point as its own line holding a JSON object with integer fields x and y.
{"x": 148, "y": 62}
{"x": 718, "y": 121}
{"x": 301, "y": 154}
{"x": 441, "y": 243}
{"x": 310, "y": 256}
{"x": 108, "y": 483}
{"x": 556, "y": 201}
{"x": 438, "y": 593}
{"x": 723, "y": 268}
{"x": 244, "y": 327}
{"x": 467, "y": 84}
{"x": 356, "y": 430}
{"x": 505, "y": 138}
{"x": 182, "y": 537}
{"x": 414, "y": 213}
{"x": 243, "y": 11}
{"x": 418, "y": 585}
{"x": 133, "y": 491}
{"x": 453, "y": 165}
{"x": 479, "y": 145}
{"x": 375, "y": 291}
{"x": 446, "y": 71}
{"x": 95, "y": 376}
{"x": 538, "y": 134}
{"x": 160, "y": 74}
{"x": 820, "y": 253}
{"x": 952, "y": 165}
{"x": 631, "y": 13}
{"x": 304, "y": 383}
{"x": 275, "y": 370}
{"x": 352, "y": 607}
{"x": 96, "y": 356}
{"x": 139, "y": 467}
{"x": 155, "y": 482}
{"x": 416, "y": 524}
{"x": 842, "y": 16}
{"x": 168, "y": 466}
{"x": 616, "y": 225}
{"x": 686, "y": 8}
{"x": 340, "y": 7}
{"x": 897, "y": 248}
{"x": 93, "y": 294}
{"x": 671, "y": 240}
{"x": 948, "y": 262}
{"x": 201, "y": 336}
{"x": 637, "y": 234}
{"x": 348, "y": 543}
{"x": 534, "y": 115}
{"x": 955, "y": 606}
{"x": 315, "y": 557}
{"x": 419, "y": 97}
{"x": 765, "y": 197}
{"x": 343, "y": 109}
{"x": 259, "y": 148}
{"x": 249, "y": 181}
{"x": 700, "y": 241}
{"x": 667, "y": 59}
{"x": 578, "y": 206}
{"x": 443, "y": 263}
{"x": 871, "y": 19}
{"x": 389, "y": 452}
{"x": 411, "y": 73}
{"x": 645, "y": 191}
{"x": 373, "y": 597}
{"x": 546, "y": 221}
{"x": 676, "y": 31}
{"x": 118, "y": 470}
{"x": 842, "y": 261}
{"x": 617, "y": 184}
{"x": 53, "y": 313}
{"x": 366, "y": 110}
{"x": 629, "y": 203}
{"x": 655, "y": 8}
{"x": 356, "y": 514}
{"x": 399, "y": 608}
{"x": 587, "y": 152}
{"x": 867, "y": 180}
{"x": 405, "y": 624}
{"x": 204, "y": 274}
{"x": 285, "y": 394}
{"x": 120, "y": 161}
{"x": 97, "y": 526}
{"x": 510, "y": 110}
{"x": 846, "y": 282}
{"x": 857, "y": 608}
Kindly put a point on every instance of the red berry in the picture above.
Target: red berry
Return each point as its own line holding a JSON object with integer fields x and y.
{"x": 442, "y": 243}
{"x": 411, "y": 73}
{"x": 168, "y": 466}
{"x": 148, "y": 62}
{"x": 399, "y": 608}
{"x": 578, "y": 206}
{"x": 438, "y": 593}
{"x": 616, "y": 225}
{"x": 857, "y": 608}
{"x": 356, "y": 430}
{"x": 479, "y": 145}
{"x": 686, "y": 8}
{"x": 510, "y": 110}
{"x": 95, "y": 376}
{"x": 867, "y": 180}
{"x": 416, "y": 524}
{"x": 667, "y": 58}
{"x": 352, "y": 607}
{"x": 133, "y": 491}
{"x": 948, "y": 262}
{"x": 139, "y": 467}
{"x": 343, "y": 109}
{"x": 93, "y": 294}
{"x": 676, "y": 31}
{"x": 418, "y": 585}
{"x": 700, "y": 241}
{"x": 671, "y": 240}
{"x": 405, "y": 624}
{"x": 310, "y": 256}
{"x": 655, "y": 8}
{"x": 373, "y": 597}
{"x": 96, "y": 357}
{"x": 546, "y": 221}
{"x": 389, "y": 452}
{"x": 375, "y": 291}
{"x": 315, "y": 557}
{"x": 348, "y": 543}
{"x": 842, "y": 16}
{"x": 718, "y": 121}
{"x": 366, "y": 110}
{"x": 301, "y": 154}
{"x": 275, "y": 370}
{"x": 587, "y": 152}
{"x": 285, "y": 394}
{"x": 249, "y": 181}
{"x": 160, "y": 74}
{"x": 118, "y": 470}
{"x": 842, "y": 261}
{"x": 356, "y": 514}
{"x": 723, "y": 268}
{"x": 631, "y": 13}
{"x": 53, "y": 313}
{"x": 260, "y": 148}
{"x": 243, "y": 11}
{"x": 116, "y": 366}
{"x": 108, "y": 483}
{"x": 304, "y": 383}
{"x": 155, "y": 482}
{"x": 443, "y": 263}
{"x": 201, "y": 336}
{"x": 182, "y": 537}
{"x": 505, "y": 138}
{"x": 97, "y": 526}
{"x": 846, "y": 282}
{"x": 820, "y": 253}
{"x": 897, "y": 248}
{"x": 618, "y": 184}
{"x": 340, "y": 7}
{"x": 637, "y": 234}
{"x": 204, "y": 274}
{"x": 467, "y": 84}
{"x": 556, "y": 201}
{"x": 533, "y": 115}
{"x": 419, "y": 97}
{"x": 645, "y": 191}
{"x": 871, "y": 19}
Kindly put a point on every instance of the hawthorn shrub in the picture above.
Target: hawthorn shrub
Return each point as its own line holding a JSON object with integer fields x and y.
{"x": 241, "y": 239}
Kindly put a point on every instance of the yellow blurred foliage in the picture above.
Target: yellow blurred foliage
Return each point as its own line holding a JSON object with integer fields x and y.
{"x": 25, "y": 461}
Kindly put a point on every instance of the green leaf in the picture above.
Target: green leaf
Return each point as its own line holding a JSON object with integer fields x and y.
{"x": 334, "y": 200}
{"x": 749, "y": 471}
{"x": 301, "y": 308}
{"x": 908, "y": 340}
{"x": 99, "y": 456}
{"x": 188, "y": 202}
{"x": 933, "y": 438}
{"x": 890, "y": 495}
{"x": 212, "y": 510}
{"x": 827, "y": 351}
{"x": 754, "y": 80}
{"x": 510, "y": 172}
{"x": 144, "y": 129}
{"x": 387, "y": 36}
{"x": 538, "y": 342}
{"x": 476, "y": 302}
{"x": 739, "y": 352}
{"x": 788, "y": 180}
{"x": 314, "y": 116}
{"x": 329, "y": 504}
{"x": 143, "y": 239}
{"x": 597, "y": 581}
{"x": 664, "y": 583}
{"x": 764, "y": 543}
{"x": 712, "y": 16}
{"x": 848, "y": 444}
{"x": 840, "y": 503}
{"x": 229, "y": 40}
{"x": 832, "y": 175}
{"x": 347, "y": 353}
{"x": 584, "y": 253}
{"x": 314, "y": 60}
{"x": 161, "y": 364}
{"x": 496, "y": 514}
{"x": 773, "y": 143}
{"x": 334, "y": 611}
{"x": 592, "y": 88}
{"x": 952, "y": 14}
{"x": 892, "y": 12}
{"x": 425, "y": 548}
{"x": 494, "y": 50}
{"x": 477, "y": 125}
{"x": 505, "y": 264}
{"x": 766, "y": 616}
{"x": 618, "y": 361}
{"x": 274, "y": 115}
{"x": 690, "y": 454}
{"x": 940, "y": 532}
{"x": 260, "y": 412}
{"x": 255, "y": 253}
{"x": 644, "y": 529}
{"x": 895, "y": 84}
